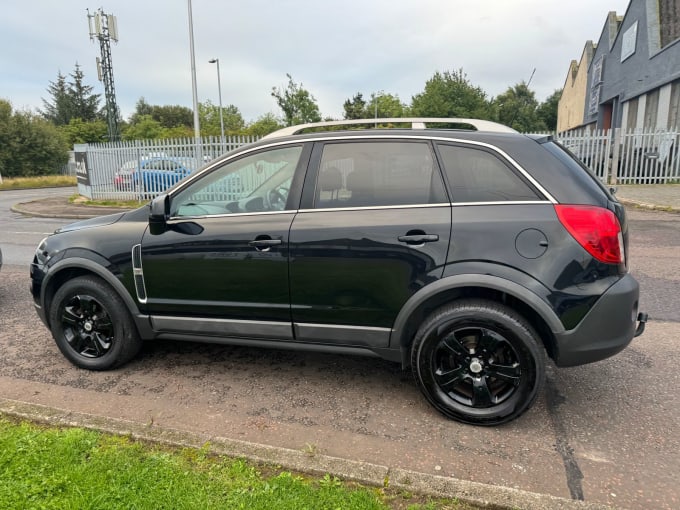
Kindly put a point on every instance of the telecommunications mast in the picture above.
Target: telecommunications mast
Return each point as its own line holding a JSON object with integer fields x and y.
{"x": 104, "y": 27}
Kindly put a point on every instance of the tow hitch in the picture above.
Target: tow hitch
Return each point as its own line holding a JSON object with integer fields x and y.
{"x": 642, "y": 320}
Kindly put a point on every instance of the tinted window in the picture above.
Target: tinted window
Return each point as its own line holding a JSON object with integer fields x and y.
{"x": 255, "y": 183}
{"x": 364, "y": 174}
{"x": 476, "y": 175}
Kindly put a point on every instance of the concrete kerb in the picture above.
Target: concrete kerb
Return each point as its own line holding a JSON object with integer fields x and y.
{"x": 66, "y": 212}
{"x": 652, "y": 207}
{"x": 18, "y": 209}
{"x": 482, "y": 495}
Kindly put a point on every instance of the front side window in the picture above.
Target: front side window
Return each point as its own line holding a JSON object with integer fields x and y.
{"x": 258, "y": 182}
{"x": 476, "y": 175}
{"x": 369, "y": 174}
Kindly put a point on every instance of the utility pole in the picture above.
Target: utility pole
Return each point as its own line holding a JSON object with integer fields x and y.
{"x": 197, "y": 124}
{"x": 104, "y": 28}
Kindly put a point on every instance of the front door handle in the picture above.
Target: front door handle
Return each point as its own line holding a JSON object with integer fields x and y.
{"x": 264, "y": 244}
{"x": 418, "y": 238}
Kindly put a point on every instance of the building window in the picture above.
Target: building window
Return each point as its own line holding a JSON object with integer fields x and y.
{"x": 631, "y": 121}
{"x": 674, "y": 107}
{"x": 651, "y": 110}
{"x": 669, "y": 16}
{"x": 629, "y": 41}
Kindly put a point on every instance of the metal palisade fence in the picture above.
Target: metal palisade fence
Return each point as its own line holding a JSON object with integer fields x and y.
{"x": 142, "y": 169}
{"x": 628, "y": 156}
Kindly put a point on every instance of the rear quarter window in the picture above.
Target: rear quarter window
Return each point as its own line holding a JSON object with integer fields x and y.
{"x": 578, "y": 168}
{"x": 477, "y": 175}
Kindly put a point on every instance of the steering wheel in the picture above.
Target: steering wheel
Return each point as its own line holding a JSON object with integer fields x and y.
{"x": 276, "y": 199}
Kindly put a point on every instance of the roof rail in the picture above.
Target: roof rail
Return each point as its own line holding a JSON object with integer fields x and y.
{"x": 416, "y": 123}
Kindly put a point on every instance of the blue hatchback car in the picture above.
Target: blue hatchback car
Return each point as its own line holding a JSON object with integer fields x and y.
{"x": 157, "y": 174}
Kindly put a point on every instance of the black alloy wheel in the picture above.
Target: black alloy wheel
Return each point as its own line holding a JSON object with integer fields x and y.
{"x": 91, "y": 325}
{"x": 87, "y": 326}
{"x": 478, "y": 362}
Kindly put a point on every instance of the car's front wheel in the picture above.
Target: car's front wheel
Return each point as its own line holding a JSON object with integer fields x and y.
{"x": 478, "y": 362}
{"x": 91, "y": 325}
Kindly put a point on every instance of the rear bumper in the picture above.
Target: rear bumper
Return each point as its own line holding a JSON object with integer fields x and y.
{"x": 607, "y": 328}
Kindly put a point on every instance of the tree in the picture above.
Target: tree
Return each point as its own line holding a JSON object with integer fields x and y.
{"x": 168, "y": 116}
{"x": 84, "y": 104}
{"x": 298, "y": 105}
{"x": 450, "y": 94}
{"x": 80, "y": 131}
{"x": 29, "y": 145}
{"x": 547, "y": 110}
{"x": 59, "y": 110}
{"x": 145, "y": 128}
{"x": 265, "y": 124}
{"x": 355, "y": 108}
{"x": 70, "y": 100}
{"x": 384, "y": 105}
{"x": 209, "y": 115}
{"x": 517, "y": 107}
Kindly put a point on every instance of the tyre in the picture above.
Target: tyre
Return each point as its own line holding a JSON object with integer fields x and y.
{"x": 91, "y": 325}
{"x": 478, "y": 362}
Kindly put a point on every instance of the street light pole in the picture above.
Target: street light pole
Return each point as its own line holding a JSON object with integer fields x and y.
{"x": 219, "y": 92}
{"x": 197, "y": 125}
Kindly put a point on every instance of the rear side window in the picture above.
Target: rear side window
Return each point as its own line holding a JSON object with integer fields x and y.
{"x": 476, "y": 175}
{"x": 368, "y": 174}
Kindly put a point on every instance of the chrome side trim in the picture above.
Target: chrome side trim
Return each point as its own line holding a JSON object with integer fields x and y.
{"x": 229, "y": 215}
{"x": 357, "y": 336}
{"x": 222, "y": 327}
{"x": 421, "y": 206}
{"x": 373, "y": 207}
{"x": 514, "y": 202}
{"x": 365, "y": 208}
{"x": 138, "y": 273}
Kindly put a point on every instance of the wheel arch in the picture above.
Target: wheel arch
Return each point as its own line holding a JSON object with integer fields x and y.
{"x": 492, "y": 288}
{"x": 73, "y": 267}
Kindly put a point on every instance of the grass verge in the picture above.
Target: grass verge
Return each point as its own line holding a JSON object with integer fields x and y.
{"x": 124, "y": 204}
{"x": 46, "y": 467}
{"x": 45, "y": 181}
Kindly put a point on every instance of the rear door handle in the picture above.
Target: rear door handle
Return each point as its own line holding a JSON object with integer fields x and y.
{"x": 418, "y": 238}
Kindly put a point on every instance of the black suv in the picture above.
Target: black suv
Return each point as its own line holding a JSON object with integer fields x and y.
{"x": 465, "y": 254}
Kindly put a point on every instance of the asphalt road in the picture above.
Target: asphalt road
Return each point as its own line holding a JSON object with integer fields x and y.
{"x": 19, "y": 235}
{"x": 605, "y": 432}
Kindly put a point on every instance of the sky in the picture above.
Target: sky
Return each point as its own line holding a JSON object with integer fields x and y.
{"x": 333, "y": 48}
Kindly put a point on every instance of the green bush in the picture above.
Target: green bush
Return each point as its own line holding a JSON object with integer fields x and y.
{"x": 29, "y": 145}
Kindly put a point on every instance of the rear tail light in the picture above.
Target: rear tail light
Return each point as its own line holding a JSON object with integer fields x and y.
{"x": 596, "y": 229}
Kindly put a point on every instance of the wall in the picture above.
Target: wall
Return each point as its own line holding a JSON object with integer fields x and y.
{"x": 570, "y": 106}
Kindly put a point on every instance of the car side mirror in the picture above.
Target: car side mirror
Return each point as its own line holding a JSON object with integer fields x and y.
{"x": 159, "y": 211}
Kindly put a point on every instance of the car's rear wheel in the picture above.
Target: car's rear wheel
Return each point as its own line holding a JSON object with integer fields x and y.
{"x": 91, "y": 325}
{"x": 478, "y": 362}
